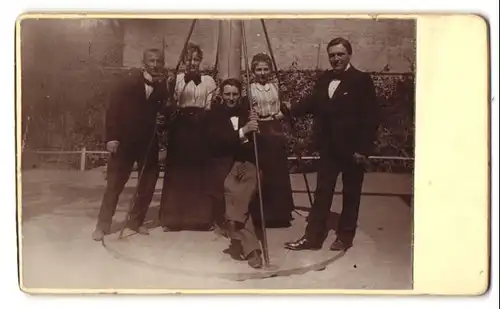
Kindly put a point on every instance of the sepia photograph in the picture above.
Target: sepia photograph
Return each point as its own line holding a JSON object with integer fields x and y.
{"x": 216, "y": 153}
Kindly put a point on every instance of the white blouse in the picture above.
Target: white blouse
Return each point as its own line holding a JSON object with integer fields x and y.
{"x": 192, "y": 95}
{"x": 265, "y": 99}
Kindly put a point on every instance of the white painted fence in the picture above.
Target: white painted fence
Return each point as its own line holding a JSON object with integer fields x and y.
{"x": 84, "y": 152}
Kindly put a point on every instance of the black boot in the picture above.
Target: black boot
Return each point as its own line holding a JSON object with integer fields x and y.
{"x": 303, "y": 244}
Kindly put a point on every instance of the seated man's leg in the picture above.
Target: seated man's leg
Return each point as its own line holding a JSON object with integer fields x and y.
{"x": 235, "y": 190}
{"x": 239, "y": 188}
{"x": 250, "y": 244}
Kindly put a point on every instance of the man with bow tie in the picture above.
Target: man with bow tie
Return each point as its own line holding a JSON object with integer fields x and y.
{"x": 131, "y": 137}
{"x": 344, "y": 108}
{"x": 229, "y": 129}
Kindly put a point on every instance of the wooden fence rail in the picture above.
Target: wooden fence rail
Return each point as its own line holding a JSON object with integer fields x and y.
{"x": 84, "y": 152}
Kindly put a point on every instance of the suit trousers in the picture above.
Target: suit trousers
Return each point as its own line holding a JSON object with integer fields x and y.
{"x": 118, "y": 173}
{"x": 239, "y": 189}
{"x": 217, "y": 171}
{"x": 352, "y": 180}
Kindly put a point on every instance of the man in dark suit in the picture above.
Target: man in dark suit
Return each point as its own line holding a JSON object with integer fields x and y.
{"x": 229, "y": 130}
{"x": 131, "y": 137}
{"x": 344, "y": 107}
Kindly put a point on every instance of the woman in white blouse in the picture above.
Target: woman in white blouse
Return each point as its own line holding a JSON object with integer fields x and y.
{"x": 185, "y": 204}
{"x": 272, "y": 145}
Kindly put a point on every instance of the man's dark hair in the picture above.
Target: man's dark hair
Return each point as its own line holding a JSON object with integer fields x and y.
{"x": 230, "y": 82}
{"x": 154, "y": 51}
{"x": 340, "y": 41}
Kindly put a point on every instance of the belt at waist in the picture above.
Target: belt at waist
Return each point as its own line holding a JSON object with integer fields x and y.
{"x": 190, "y": 112}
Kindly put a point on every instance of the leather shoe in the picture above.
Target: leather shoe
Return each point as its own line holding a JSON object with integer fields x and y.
{"x": 302, "y": 244}
{"x": 254, "y": 259}
{"x": 141, "y": 230}
{"x": 338, "y": 245}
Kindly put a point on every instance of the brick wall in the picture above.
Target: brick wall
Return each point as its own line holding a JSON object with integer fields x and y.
{"x": 71, "y": 44}
{"x": 376, "y": 43}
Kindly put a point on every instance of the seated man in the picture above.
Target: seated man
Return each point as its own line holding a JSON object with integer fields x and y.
{"x": 228, "y": 137}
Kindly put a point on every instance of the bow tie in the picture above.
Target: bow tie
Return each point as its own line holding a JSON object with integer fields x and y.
{"x": 232, "y": 111}
{"x": 195, "y": 77}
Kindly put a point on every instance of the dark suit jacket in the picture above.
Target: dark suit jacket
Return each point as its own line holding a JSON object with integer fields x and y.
{"x": 347, "y": 122}
{"x": 130, "y": 117}
{"x": 223, "y": 140}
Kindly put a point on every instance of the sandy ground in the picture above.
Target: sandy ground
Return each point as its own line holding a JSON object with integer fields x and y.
{"x": 59, "y": 210}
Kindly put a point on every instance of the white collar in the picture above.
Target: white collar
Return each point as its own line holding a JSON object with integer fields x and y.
{"x": 261, "y": 87}
{"x": 147, "y": 75}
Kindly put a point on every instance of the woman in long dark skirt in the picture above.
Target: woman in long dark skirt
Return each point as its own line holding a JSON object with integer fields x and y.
{"x": 272, "y": 145}
{"x": 185, "y": 202}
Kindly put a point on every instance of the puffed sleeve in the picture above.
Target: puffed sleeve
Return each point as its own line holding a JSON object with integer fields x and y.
{"x": 211, "y": 90}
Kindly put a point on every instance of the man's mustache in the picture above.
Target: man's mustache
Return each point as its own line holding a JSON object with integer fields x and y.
{"x": 231, "y": 102}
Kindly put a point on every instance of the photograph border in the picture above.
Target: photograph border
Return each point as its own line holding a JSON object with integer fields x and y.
{"x": 425, "y": 25}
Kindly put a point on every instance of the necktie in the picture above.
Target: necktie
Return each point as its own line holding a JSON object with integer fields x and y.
{"x": 155, "y": 82}
{"x": 337, "y": 75}
{"x": 232, "y": 111}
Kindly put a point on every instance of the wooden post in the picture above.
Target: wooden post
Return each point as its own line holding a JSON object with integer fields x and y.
{"x": 317, "y": 56}
{"x": 229, "y": 49}
{"x": 83, "y": 158}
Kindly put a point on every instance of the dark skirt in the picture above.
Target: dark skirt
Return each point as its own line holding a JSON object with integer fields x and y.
{"x": 185, "y": 202}
{"x": 276, "y": 186}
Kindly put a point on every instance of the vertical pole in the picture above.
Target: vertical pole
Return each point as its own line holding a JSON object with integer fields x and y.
{"x": 229, "y": 49}
{"x": 83, "y": 158}
{"x": 317, "y": 56}
{"x": 256, "y": 151}
{"x": 292, "y": 123}
{"x": 163, "y": 46}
